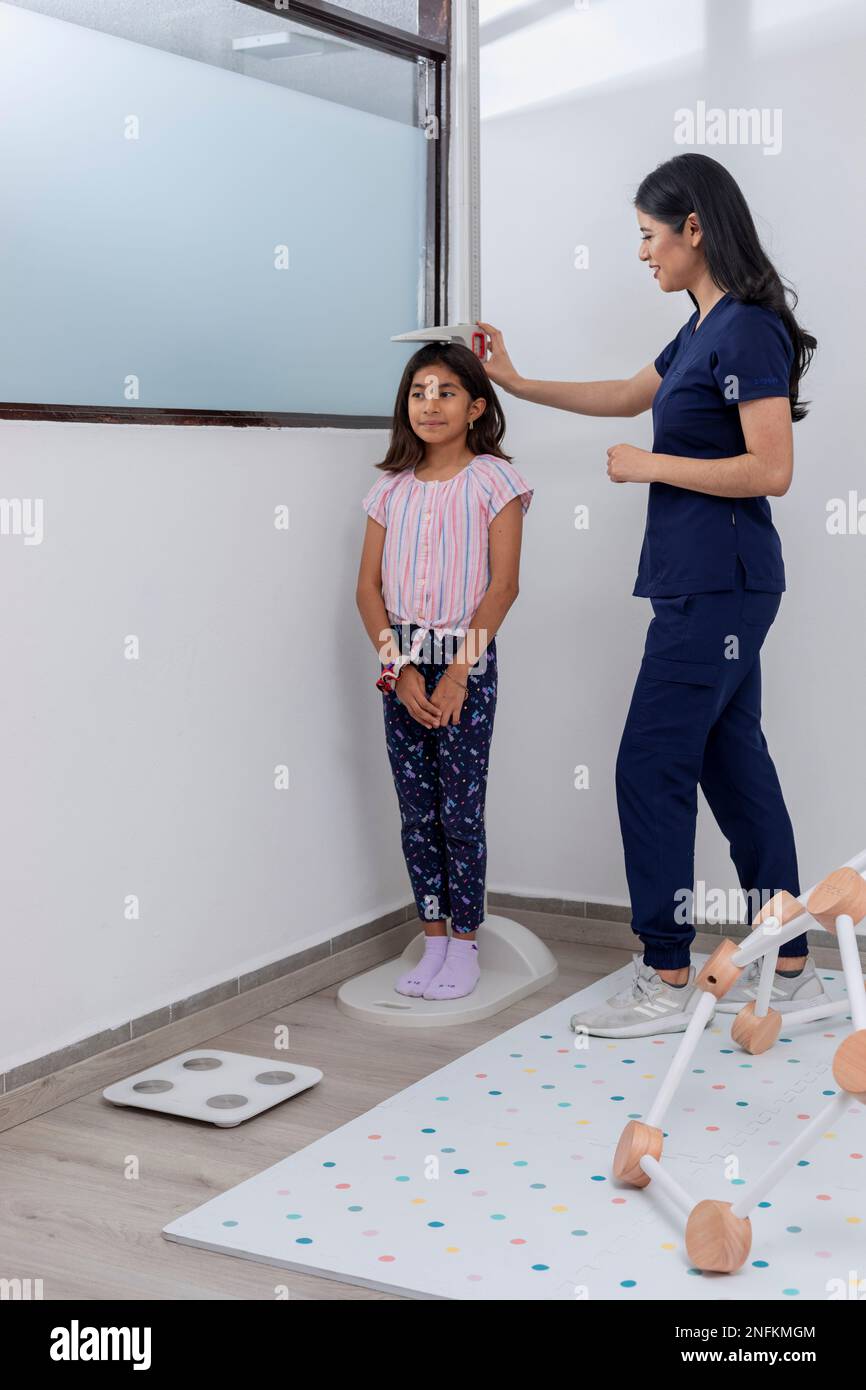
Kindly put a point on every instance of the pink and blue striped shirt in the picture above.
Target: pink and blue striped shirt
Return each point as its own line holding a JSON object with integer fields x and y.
{"x": 436, "y": 558}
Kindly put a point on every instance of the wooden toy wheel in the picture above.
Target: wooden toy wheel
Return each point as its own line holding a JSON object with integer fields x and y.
{"x": 842, "y": 892}
{"x": 753, "y": 1033}
{"x": 635, "y": 1141}
{"x": 849, "y": 1064}
{"x": 716, "y": 1239}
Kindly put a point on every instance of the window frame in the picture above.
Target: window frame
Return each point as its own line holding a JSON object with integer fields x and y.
{"x": 432, "y": 44}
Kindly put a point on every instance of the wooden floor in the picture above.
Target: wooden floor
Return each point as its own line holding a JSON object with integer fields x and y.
{"x": 71, "y": 1217}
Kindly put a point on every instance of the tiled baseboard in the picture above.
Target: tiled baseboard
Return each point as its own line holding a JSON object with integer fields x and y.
{"x": 44, "y": 1082}
{"x": 609, "y": 924}
{"x": 339, "y": 953}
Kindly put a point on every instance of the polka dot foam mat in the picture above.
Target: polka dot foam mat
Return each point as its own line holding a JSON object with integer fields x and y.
{"x": 491, "y": 1178}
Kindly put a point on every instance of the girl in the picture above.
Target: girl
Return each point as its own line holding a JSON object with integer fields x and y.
{"x": 439, "y": 571}
{"x": 723, "y": 394}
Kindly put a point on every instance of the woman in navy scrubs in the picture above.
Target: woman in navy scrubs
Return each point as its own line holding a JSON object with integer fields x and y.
{"x": 724, "y": 393}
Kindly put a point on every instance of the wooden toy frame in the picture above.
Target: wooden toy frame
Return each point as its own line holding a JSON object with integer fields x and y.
{"x": 719, "y": 1234}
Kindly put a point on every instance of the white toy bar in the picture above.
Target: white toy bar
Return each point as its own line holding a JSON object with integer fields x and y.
{"x": 719, "y": 1234}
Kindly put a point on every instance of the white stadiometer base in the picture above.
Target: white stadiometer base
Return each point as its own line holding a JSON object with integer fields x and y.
{"x": 514, "y": 963}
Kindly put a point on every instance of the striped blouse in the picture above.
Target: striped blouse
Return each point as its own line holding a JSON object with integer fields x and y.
{"x": 436, "y": 559}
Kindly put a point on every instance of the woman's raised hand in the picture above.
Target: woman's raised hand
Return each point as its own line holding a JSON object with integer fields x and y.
{"x": 499, "y": 366}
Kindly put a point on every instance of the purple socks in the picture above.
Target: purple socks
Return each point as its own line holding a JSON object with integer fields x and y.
{"x": 460, "y": 971}
{"x": 416, "y": 980}
{"x": 448, "y": 969}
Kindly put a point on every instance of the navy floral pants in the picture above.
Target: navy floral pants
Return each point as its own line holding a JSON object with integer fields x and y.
{"x": 441, "y": 780}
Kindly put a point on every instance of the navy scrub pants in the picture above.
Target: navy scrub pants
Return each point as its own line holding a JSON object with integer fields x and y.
{"x": 441, "y": 780}
{"x": 695, "y": 719}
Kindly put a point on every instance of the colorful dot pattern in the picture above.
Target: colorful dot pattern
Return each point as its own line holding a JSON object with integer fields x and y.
{"x": 492, "y": 1179}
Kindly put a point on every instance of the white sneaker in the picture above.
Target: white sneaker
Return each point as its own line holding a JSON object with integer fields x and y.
{"x": 647, "y": 1006}
{"x": 785, "y": 995}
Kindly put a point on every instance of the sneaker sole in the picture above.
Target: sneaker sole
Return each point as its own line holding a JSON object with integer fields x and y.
{"x": 733, "y": 1006}
{"x": 674, "y": 1023}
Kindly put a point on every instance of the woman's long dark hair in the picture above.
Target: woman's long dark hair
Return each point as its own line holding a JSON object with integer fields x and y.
{"x": 406, "y": 449}
{"x": 736, "y": 259}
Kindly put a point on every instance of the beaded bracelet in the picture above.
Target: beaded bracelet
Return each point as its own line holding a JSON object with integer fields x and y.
{"x": 388, "y": 679}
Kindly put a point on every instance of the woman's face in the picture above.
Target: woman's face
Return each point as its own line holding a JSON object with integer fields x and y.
{"x": 440, "y": 407}
{"x": 675, "y": 258}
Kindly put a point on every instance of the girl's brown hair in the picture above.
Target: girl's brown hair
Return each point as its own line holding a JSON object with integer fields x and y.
{"x": 406, "y": 449}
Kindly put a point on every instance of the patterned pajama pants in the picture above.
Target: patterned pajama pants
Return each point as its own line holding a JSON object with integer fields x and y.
{"x": 441, "y": 780}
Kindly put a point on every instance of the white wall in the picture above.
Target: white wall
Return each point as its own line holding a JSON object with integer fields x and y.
{"x": 155, "y": 776}
{"x": 559, "y": 171}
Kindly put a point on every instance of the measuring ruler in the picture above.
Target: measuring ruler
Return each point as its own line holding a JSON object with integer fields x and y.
{"x": 464, "y": 289}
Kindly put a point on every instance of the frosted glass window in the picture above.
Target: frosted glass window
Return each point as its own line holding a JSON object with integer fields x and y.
{"x": 403, "y": 14}
{"x": 183, "y": 234}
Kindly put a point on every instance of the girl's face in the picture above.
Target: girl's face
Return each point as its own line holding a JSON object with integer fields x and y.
{"x": 675, "y": 258}
{"x": 439, "y": 405}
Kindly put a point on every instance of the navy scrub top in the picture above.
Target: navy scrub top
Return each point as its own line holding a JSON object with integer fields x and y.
{"x": 741, "y": 352}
